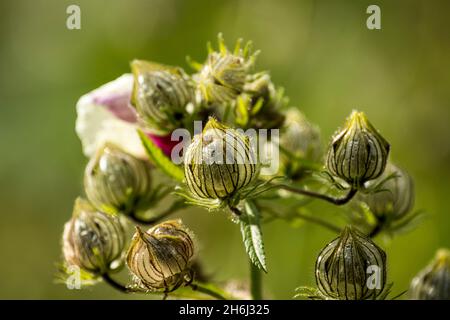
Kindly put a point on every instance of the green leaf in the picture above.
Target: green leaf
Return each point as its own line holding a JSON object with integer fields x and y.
{"x": 159, "y": 159}
{"x": 252, "y": 235}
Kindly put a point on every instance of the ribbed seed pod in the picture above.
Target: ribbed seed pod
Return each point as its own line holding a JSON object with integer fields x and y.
{"x": 342, "y": 267}
{"x": 433, "y": 283}
{"x": 93, "y": 240}
{"x": 219, "y": 162}
{"x": 160, "y": 258}
{"x": 115, "y": 181}
{"x": 160, "y": 95}
{"x": 358, "y": 153}
{"x": 395, "y": 199}
{"x": 299, "y": 139}
{"x": 224, "y": 74}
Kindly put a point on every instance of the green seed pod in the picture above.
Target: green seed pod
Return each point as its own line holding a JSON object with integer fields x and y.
{"x": 161, "y": 95}
{"x": 160, "y": 258}
{"x": 224, "y": 74}
{"x": 351, "y": 267}
{"x": 395, "y": 199}
{"x": 219, "y": 162}
{"x": 299, "y": 142}
{"x": 433, "y": 283}
{"x": 93, "y": 240}
{"x": 115, "y": 181}
{"x": 358, "y": 153}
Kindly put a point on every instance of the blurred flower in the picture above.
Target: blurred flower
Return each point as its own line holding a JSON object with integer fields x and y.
{"x": 358, "y": 153}
{"x": 259, "y": 106}
{"x": 396, "y": 197}
{"x": 219, "y": 162}
{"x": 300, "y": 144}
{"x": 433, "y": 283}
{"x": 342, "y": 267}
{"x": 116, "y": 181}
{"x": 162, "y": 95}
{"x": 105, "y": 115}
{"x": 161, "y": 257}
{"x": 93, "y": 240}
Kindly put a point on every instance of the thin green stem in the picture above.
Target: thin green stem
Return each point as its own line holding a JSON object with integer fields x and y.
{"x": 337, "y": 201}
{"x": 255, "y": 282}
{"x": 113, "y": 283}
{"x": 275, "y": 215}
{"x": 176, "y": 205}
{"x": 236, "y": 211}
{"x": 255, "y": 272}
{"x": 319, "y": 222}
{"x": 207, "y": 291}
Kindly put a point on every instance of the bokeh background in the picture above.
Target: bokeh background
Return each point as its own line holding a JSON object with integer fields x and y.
{"x": 320, "y": 51}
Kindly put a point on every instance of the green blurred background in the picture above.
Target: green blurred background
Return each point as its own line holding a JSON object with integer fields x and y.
{"x": 320, "y": 51}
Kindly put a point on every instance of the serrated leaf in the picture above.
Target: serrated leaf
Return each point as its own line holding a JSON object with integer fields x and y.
{"x": 159, "y": 159}
{"x": 252, "y": 235}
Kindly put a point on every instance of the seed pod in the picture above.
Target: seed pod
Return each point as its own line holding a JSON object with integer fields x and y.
{"x": 160, "y": 258}
{"x": 93, "y": 240}
{"x": 358, "y": 153}
{"x": 115, "y": 181}
{"x": 433, "y": 283}
{"x": 344, "y": 267}
{"x": 395, "y": 199}
{"x": 299, "y": 140}
{"x": 219, "y": 162}
{"x": 224, "y": 74}
{"x": 161, "y": 95}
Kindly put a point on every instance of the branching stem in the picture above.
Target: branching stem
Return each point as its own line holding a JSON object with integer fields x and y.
{"x": 337, "y": 201}
{"x": 177, "y": 205}
{"x": 113, "y": 283}
{"x": 319, "y": 222}
{"x": 208, "y": 291}
{"x": 194, "y": 286}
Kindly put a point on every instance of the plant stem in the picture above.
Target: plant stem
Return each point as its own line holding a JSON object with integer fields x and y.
{"x": 319, "y": 222}
{"x": 208, "y": 291}
{"x": 236, "y": 211}
{"x": 337, "y": 201}
{"x": 312, "y": 219}
{"x": 255, "y": 272}
{"x": 212, "y": 292}
{"x": 113, "y": 283}
{"x": 177, "y": 205}
{"x": 255, "y": 282}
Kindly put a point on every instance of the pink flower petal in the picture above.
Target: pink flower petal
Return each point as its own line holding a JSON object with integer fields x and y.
{"x": 163, "y": 142}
